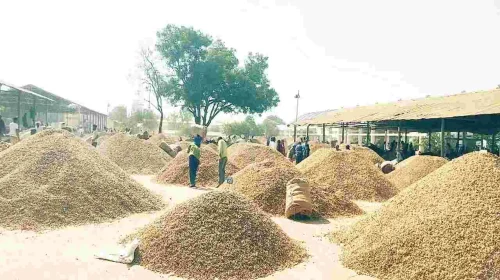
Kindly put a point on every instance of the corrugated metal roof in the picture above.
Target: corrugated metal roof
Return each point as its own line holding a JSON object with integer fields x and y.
{"x": 312, "y": 115}
{"x": 44, "y": 92}
{"x": 459, "y": 105}
{"x": 24, "y": 90}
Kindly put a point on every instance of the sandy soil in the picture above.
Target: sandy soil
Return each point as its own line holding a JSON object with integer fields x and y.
{"x": 69, "y": 253}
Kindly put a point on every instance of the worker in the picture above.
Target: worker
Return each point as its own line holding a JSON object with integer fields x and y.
{"x": 281, "y": 148}
{"x": 194, "y": 154}
{"x": 38, "y": 127}
{"x": 14, "y": 131}
{"x": 95, "y": 135}
{"x": 272, "y": 143}
{"x": 2, "y": 127}
{"x": 306, "y": 149}
{"x": 299, "y": 152}
{"x": 222, "y": 148}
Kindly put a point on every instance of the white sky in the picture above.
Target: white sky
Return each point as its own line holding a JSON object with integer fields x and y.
{"x": 337, "y": 53}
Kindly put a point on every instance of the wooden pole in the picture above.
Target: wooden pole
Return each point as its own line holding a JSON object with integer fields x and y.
{"x": 324, "y": 133}
{"x": 442, "y": 138}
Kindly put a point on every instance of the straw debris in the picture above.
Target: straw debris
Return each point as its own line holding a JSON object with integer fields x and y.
{"x": 445, "y": 226}
{"x": 219, "y": 235}
{"x": 413, "y": 169}
{"x": 265, "y": 184}
{"x": 134, "y": 155}
{"x": 53, "y": 179}
{"x": 4, "y": 146}
{"x": 349, "y": 172}
{"x": 177, "y": 170}
{"x": 160, "y": 137}
{"x": 316, "y": 146}
{"x": 244, "y": 154}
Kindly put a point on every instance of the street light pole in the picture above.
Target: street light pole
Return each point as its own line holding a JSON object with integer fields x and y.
{"x": 297, "y": 96}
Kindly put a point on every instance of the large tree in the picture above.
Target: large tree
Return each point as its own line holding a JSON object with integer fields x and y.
{"x": 154, "y": 81}
{"x": 205, "y": 77}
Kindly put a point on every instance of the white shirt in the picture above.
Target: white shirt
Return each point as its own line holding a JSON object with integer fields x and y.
{"x": 13, "y": 127}
{"x": 273, "y": 145}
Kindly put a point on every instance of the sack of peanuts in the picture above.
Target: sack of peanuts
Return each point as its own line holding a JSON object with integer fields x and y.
{"x": 166, "y": 148}
{"x": 298, "y": 198}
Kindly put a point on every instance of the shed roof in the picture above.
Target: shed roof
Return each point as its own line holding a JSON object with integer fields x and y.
{"x": 24, "y": 90}
{"x": 451, "y": 106}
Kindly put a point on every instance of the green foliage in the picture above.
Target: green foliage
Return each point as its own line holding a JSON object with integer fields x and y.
{"x": 205, "y": 77}
{"x": 181, "y": 122}
{"x": 119, "y": 115}
{"x": 435, "y": 143}
{"x": 270, "y": 125}
{"x": 146, "y": 118}
{"x": 246, "y": 128}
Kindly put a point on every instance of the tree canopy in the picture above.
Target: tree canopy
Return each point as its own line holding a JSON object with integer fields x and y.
{"x": 270, "y": 125}
{"x": 205, "y": 77}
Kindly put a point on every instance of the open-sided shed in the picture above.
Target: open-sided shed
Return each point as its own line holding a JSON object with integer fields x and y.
{"x": 477, "y": 112}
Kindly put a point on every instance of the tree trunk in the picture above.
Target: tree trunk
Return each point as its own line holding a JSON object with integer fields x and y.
{"x": 197, "y": 120}
{"x": 161, "y": 121}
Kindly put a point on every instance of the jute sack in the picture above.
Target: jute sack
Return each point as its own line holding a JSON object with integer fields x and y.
{"x": 298, "y": 198}
{"x": 387, "y": 167}
{"x": 165, "y": 147}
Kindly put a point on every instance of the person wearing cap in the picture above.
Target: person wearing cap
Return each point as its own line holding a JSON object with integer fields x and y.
{"x": 194, "y": 154}
{"x": 222, "y": 149}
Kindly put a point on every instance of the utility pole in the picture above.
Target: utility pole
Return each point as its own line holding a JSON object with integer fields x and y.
{"x": 297, "y": 96}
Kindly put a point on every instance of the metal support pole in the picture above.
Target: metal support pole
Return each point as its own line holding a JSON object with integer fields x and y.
{"x": 294, "y": 133}
{"x": 399, "y": 139}
{"x": 429, "y": 146}
{"x": 492, "y": 142}
{"x": 442, "y": 138}
{"x": 34, "y": 109}
{"x": 367, "y": 134}
{"x": 19, "y": 109}
{"x": 463, "y": 141}
{"x": 324, "y": 133}
{"x": 342, "y": 141}
{"x": 386, "y": 140}
{"x": 482, "y": 140}
{"x": 47, "y": 113}
{"x": 406, "y": 136}
{"x": 307, "y": 132}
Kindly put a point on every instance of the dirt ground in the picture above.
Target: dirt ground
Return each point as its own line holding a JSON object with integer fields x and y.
{"x": 69, "y": 253}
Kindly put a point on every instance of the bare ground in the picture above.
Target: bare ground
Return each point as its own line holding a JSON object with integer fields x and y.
{"x": 69, "y": 253}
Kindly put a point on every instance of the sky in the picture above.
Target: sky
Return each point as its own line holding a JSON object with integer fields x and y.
{"x": 337, "y": 53}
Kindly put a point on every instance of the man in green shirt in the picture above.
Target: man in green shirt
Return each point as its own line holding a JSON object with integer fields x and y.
{"x": 222, "y": 147}
{"x": 194, "y": 154}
